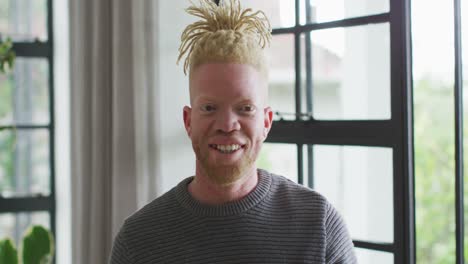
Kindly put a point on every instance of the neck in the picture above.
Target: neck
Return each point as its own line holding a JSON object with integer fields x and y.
{"x": 207, "y": 192}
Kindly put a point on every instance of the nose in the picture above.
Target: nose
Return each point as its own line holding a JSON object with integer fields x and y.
{"x": 227, "y": 121}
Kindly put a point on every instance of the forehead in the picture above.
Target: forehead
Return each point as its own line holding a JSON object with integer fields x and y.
{"x": 226, "y": 81}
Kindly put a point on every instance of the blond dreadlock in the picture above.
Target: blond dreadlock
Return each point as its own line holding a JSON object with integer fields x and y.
{"x": 226, "y": 33}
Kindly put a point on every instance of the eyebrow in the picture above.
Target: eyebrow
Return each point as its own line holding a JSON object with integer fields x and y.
{"x": 246, "y": 101}
{"x": 207, "y": 99}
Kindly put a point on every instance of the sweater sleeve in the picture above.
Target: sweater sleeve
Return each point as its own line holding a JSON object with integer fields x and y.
{"x": 120, "y": 253}
{"x": 339, "y": 246}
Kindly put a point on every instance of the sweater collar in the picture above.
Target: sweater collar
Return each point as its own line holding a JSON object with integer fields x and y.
{"x": 232, "y": 208}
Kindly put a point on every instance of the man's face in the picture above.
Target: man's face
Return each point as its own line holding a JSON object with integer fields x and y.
{"x": 228, "y": 120}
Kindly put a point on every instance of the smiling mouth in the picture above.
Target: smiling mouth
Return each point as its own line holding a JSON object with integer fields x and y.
{"x": 226, "y": 149}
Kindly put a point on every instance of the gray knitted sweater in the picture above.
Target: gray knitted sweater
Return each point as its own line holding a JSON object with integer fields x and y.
{"x": 278, "y": 222}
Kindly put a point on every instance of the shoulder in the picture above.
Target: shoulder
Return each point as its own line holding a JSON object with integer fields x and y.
{"x": 286, "y": 188}
{"x": 137, "y": 227}
{"x": 156, "y": 215}
{"x": 340, "y": 248}
{"x": 298, "y": 199}
{"x": 159, "y": 209}
{"x": 288, "y": 196}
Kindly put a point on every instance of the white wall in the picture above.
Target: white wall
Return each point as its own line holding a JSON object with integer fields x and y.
{"x": 62, "y": 127}
{"x": 176, "y": 155}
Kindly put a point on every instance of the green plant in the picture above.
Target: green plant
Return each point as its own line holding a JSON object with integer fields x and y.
{"x": 7, "y": 55}
{"x": 8, "y": 253}
{"x": 37, "y": 248}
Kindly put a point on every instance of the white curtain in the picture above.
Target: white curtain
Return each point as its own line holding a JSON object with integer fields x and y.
{"x": 114, "y": 119}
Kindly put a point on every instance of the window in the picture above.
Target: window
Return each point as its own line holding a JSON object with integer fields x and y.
{"x": 341, "y": 91}
{"x": 27, "y": 191}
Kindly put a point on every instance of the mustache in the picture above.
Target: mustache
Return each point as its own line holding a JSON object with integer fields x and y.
{"x": 235, "y": 135}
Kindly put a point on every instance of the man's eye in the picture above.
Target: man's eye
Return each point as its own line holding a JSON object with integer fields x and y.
{"x": 247, "y": 108}
{"x": 208, "y": 108}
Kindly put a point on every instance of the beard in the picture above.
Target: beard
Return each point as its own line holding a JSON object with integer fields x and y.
{"x": 225, "y": 174}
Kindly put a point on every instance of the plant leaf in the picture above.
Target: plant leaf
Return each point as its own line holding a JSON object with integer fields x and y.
{"x": 38, "y": 246}
{"x": 8, "y": 252}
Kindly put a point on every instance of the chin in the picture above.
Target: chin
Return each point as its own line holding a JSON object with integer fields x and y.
{"x": 225, "y": 175}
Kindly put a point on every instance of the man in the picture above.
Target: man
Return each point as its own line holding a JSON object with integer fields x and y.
{"x": 230, "y": 211}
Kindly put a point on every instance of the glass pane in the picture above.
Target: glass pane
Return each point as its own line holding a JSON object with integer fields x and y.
{"x": 282, "y": 76}
{"x": 24, "y": 96}
{"x": 279, "y": 159}
{"x": 281, "y": 13}
{"x": 23, "y": 20}
{"x": 308, "y": 154}
{"x": 329, "y": 10}
{"x": 24, "y": 163}
{"x": 366, "y": 256}
{"x": 351, "y": 72}
{"x": 434, "y": 130}
{"x": 358, "y": 181}
{"x": 15, "y": 225}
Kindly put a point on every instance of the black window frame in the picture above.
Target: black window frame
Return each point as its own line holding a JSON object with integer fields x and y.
{"x": 459, "y": 160}
{"x": 35, "y": 203}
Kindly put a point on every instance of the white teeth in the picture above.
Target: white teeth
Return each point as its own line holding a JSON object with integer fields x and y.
{"x": 227, "y": 148}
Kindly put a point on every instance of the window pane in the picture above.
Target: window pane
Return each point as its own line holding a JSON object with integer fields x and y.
{"x": 351, "y": 72}
{"x": 358, "y": 181}
{"x": 24, "y": 163}
{"x": 366, "y": 256}
{"x": 24, "y": 96}
{"x": 279, "y": 159}
{"x": 308, "y": 154}
{"x": 23, "y": 20}
{"x": 282, "y": 76}
{"x": 434, "y": 130}
{"x": 328, "y": 10}
{"x": 281, "y": 13}
{"x": 15, "y": 225}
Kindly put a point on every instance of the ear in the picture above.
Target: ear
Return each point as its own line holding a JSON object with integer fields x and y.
{"x": 268, "y": 121}
{"x": 187, "y": 120}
